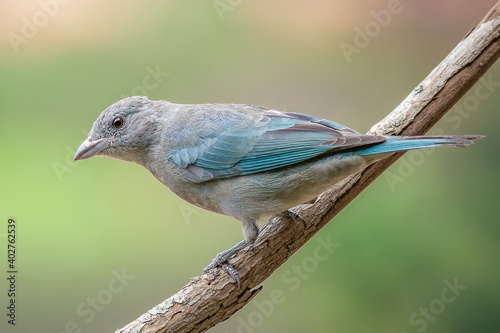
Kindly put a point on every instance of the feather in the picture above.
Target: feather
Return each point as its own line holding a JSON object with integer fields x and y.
{"x": 272, "y": 141}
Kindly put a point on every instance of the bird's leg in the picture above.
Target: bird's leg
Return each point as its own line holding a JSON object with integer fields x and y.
{"x": 250, "y": 231}
{"x": 295, "y": 216}
{"x": 222, "y": 259}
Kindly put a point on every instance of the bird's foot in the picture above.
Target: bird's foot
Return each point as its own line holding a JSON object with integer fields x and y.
{"x": 226, "y": 266}
{"x": 295, "y": 216}
{"x": 222, "y": 260}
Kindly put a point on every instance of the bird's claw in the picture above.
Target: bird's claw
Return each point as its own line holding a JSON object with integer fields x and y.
{"x": 295, "y": 216}
{"x": 223, "y": 261}
{"x": 232, "y": 272}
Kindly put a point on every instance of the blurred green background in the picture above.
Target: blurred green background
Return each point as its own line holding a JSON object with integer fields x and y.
{"x": 401, "y": 245}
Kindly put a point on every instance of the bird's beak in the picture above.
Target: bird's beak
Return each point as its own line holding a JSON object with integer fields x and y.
{"x": 90, "y": 148}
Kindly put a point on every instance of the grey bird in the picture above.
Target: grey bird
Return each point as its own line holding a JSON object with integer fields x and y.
{"x": 245, "y": 161}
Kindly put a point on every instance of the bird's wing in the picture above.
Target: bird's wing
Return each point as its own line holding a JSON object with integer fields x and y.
{"x": 271, "y": 141}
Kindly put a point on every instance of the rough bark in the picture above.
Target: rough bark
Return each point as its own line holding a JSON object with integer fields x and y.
{"x": 209, "y": 299}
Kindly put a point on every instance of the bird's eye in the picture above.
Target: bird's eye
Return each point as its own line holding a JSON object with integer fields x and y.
{"x": 118, "y": 122}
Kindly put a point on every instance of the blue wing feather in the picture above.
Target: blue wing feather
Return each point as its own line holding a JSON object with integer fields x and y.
{"x": 272, "y": 140}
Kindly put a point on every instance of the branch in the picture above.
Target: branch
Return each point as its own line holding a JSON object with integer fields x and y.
{"x": 210, "y": 299}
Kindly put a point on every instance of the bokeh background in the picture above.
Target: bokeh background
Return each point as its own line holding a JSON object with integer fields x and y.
{"x": 430, "y": 223}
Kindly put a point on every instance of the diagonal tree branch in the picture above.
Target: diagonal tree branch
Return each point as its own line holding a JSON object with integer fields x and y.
{"x": 210, "y": 299}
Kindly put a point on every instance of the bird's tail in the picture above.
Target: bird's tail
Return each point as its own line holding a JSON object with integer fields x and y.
{"x": 403, "y": 143}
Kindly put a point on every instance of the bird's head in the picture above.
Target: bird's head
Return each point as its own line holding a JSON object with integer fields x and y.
{"x": 125, "y": 131}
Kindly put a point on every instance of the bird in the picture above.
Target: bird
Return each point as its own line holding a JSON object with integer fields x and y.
{"x": 245, "y": 161}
